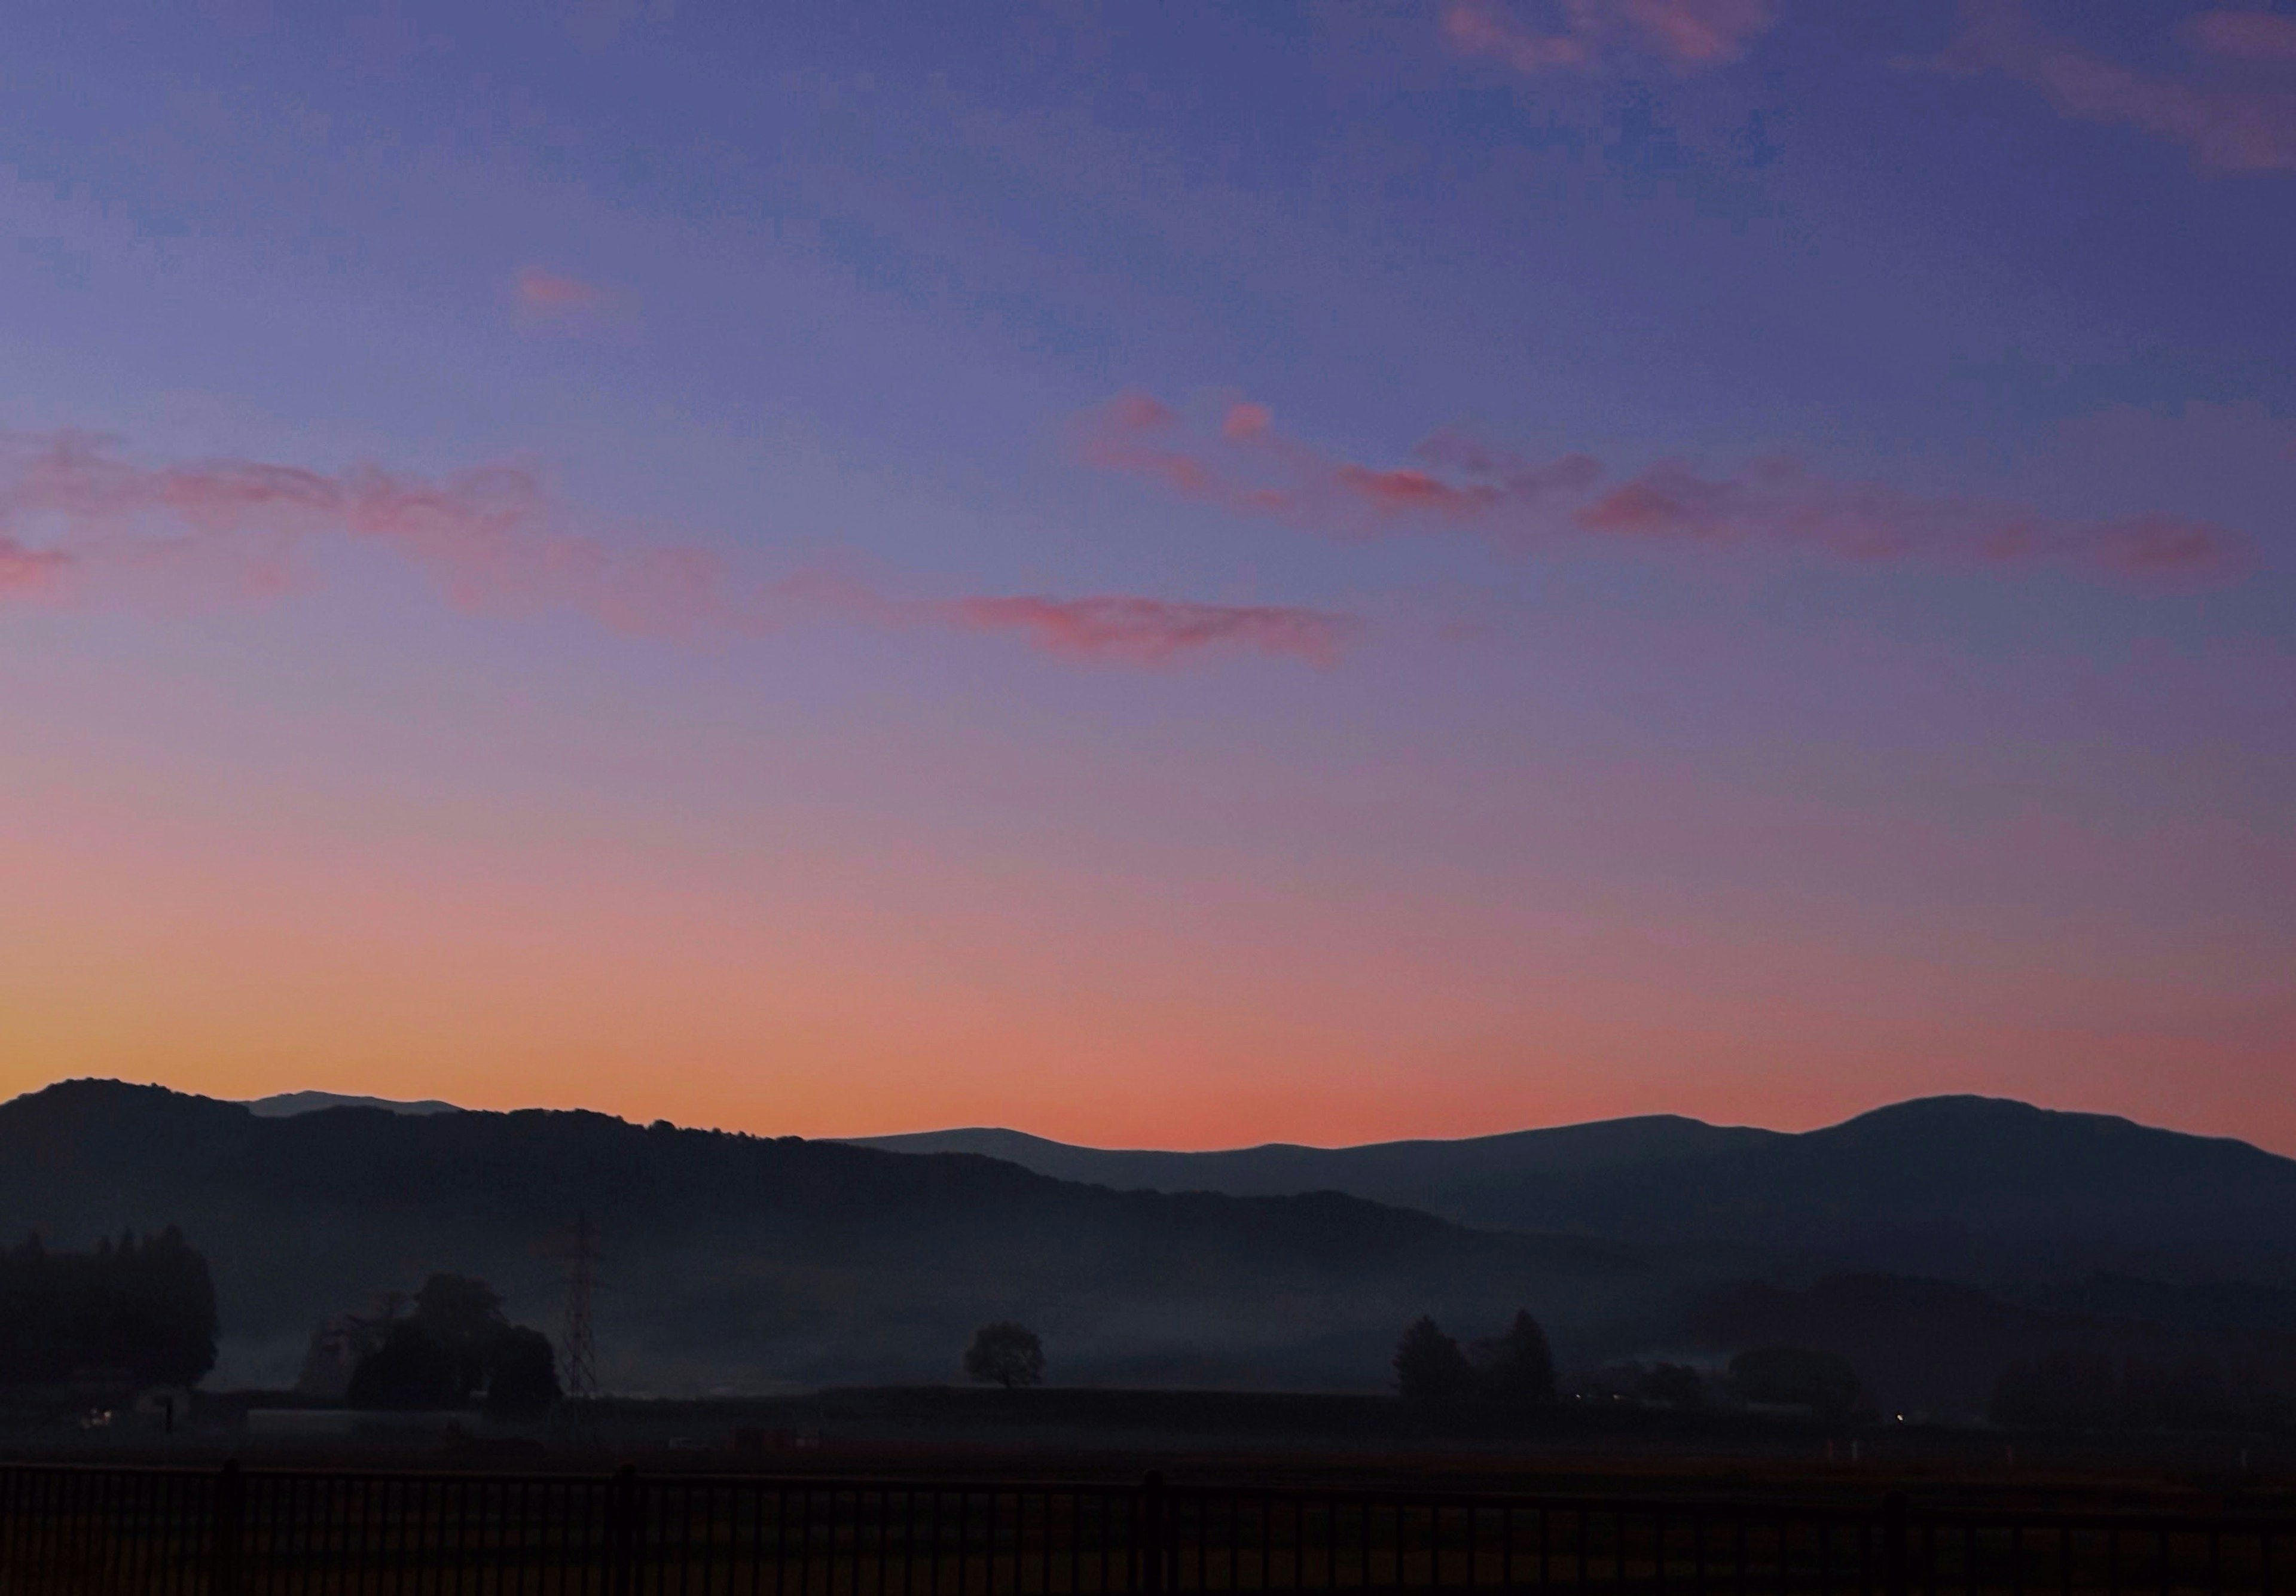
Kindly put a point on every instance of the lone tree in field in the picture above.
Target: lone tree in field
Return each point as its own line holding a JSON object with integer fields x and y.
{"x": 1005, "y": 1354}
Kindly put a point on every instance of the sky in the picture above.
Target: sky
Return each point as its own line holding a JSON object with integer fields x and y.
{"x": 1181, "y": 574}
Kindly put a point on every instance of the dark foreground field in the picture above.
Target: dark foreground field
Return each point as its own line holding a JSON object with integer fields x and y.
{"x": 1315, "y": 1441}
{"x": 234, "y": 1531}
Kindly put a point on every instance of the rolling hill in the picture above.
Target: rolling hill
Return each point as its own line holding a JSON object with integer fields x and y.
{"x": 738, "y": 1262}
{"x": 1961, "y": 1186}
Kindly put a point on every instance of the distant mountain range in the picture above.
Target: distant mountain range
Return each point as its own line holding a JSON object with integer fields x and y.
{"x": 282, "y": 1104}
{"x": 733, "y": 1261}
{"x": 1964, "y": 1187}
{"x": 1425, "y": 1173}
{"x": 744, "y": 1263}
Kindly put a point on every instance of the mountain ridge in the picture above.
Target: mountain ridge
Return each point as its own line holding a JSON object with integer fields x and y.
{"x": 740, "y": 1262}
{"x": 1964, "y": 1185}
{"x": 749, "y": 1262}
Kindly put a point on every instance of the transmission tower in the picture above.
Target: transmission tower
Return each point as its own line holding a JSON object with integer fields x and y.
{"x": 577, "y": 1349}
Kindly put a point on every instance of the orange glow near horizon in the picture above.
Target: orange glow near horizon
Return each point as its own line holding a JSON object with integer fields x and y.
{"x": 845, "y": 990}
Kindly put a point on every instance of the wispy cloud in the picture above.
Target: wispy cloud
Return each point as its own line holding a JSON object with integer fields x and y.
{"x": 543, "y": 295}
{"x": 79, "y": 523}
{"x": 1686, "y": 35}
{"x": 2236, "y": 115}
{"x": 1149, "y": 631}
{"x": 1242, "y": 462}
{"x": 1778, "y": 499}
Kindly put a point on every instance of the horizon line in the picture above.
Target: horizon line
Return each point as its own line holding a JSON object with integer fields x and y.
{"x": 352, "y": 1099}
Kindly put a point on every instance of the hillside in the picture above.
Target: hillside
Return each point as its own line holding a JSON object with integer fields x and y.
{"x": 737, "y": 1262}
{"x": 1418, "y": 1173}
{"x": 1963, "y": 1187}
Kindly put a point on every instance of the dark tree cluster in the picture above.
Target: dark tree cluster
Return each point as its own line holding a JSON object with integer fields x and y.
{"x": 1006, "y": 1355}
{"x": 140, "y": 1309}
{"x": 1671, "y": 1385}
{"x": 2090, "y": 1388}
{"x": 1506, "y": 1375}
{"x": 457, "y": 1348}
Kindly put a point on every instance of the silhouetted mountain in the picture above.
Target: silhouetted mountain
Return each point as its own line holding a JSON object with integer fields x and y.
{"x": 1964, "y": 1187}
{"x": 1418, "y": 1173}
{"x": 281, "y": 1104}
{"x": 736, "y": 1261}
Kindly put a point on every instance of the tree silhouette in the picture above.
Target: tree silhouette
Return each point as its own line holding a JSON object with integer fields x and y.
{"x": 145, "y": 1309}
{"x": 457, "y": 1343}
{"x": 1006, "y": 1354}
{"x": 408, "y": 1370}
{"x": 463, "y": 1318}
{"x": 525, "y": 1376}
{"x": 1515, "y": 1370}
{"x": 1672, "y": 1386}
{"x": 1432, "y": 1373}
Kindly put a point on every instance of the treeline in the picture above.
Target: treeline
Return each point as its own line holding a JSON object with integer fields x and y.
{"x": 2090, "y": 1388}
{"x": 1941, "y": 1351}
{"x": 456, "y": 1349}
{"x": 139, "y": 1309}
{"x": 1510, "y": 1374}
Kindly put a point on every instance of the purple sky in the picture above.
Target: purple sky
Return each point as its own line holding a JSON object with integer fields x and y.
{"x": 1184, "y": 573}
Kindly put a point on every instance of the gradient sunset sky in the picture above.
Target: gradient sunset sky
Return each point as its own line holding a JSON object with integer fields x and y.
{"x": 1170, "y": 574}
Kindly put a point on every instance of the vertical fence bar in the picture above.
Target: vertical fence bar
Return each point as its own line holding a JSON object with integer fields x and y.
{"x": 622, "y": 1531}
{"x": 1154, "y": 1536}
{"x": 1894, "y": 1549}
{"x": 226, "y": 1512}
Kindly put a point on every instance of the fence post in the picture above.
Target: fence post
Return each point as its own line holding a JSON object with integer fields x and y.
{"x": 227, "y": 1521}
{"x": 624, "y": 1529}
{"x": 1895, "y": 1553}
{"x": 1155, "y": 1532}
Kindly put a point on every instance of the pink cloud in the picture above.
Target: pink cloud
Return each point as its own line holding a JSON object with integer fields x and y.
{"x": 2230, "y": 123}
{"x": 1406, "y": 489}
{"x": 481, "y": 534}
{"x": 1687, "y": 34}
{"x": 1137, "y": 412}
{"x": 1776, "y": 499}
{"x": 1252, "y": 469}
{"x": 1517, "y": 502}
{"x": 1126, "y": 434}
{"x": 26, "y": 569}
{"x": 546, "y": 293}
{"x": 1701, "y": 30}
{"x": 1148, "y": 631}
{"x": 78, "y": 522}
{"x": 1245, "y": 419}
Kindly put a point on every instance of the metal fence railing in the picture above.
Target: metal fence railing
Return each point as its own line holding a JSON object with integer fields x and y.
{"x": 234, "y": 1532}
